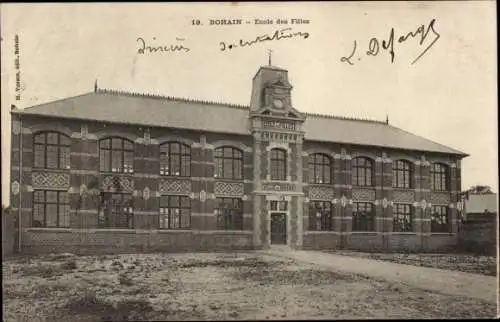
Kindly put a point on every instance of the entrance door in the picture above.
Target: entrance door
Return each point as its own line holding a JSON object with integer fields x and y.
{"x": 278, "y": 228}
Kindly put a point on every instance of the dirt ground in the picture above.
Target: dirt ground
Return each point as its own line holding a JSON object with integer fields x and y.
{"x": 208, "y": 286}
{"x": 484, "y": 265}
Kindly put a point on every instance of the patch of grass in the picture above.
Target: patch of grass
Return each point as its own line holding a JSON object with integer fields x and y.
{"x": 44, "y": 271}
{"x": 278, "y": 276}
{"x": 224, "y": 263}
{"x": 124, "y": 310}
{"x": 69, "y": 265}
{"x": 125, "y": 280}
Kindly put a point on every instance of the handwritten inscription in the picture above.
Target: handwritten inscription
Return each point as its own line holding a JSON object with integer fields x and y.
{"x": 145, "y": 48}
{"x": 285, "y": 33}
{"x": 375, "y": 46}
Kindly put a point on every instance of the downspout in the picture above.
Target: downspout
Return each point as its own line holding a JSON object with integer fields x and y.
{"x": 19, "y": 221}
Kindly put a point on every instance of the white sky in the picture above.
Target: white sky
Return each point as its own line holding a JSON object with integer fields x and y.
{"x": 448, "y": 96}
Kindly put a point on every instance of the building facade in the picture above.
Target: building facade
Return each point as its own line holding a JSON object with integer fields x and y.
{"x": 118, "y": 171}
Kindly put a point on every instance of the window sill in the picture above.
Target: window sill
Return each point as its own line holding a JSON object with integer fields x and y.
{"x": 173, "y": 176}
{"x": 117, "y": 173}
{"x": 229, "y": 180}
{"x": 49, "y": 170}
{"x": 404, "y": 233}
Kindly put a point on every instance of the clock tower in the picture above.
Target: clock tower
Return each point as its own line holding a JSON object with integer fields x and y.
{"x": 277, "y": 166}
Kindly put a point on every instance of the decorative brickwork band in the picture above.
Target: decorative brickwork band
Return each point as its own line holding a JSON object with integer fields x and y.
{"x": 49, "y": 180}
{"x": 440, "y": 198}
{"x": 363, "y": 194}
{"x": 175, "y": 186}
{"x": 229, "y": 189}
{"x": 403, "y": 196}
{"x": 117, "y": 184}
{"x": 320, "y": 193}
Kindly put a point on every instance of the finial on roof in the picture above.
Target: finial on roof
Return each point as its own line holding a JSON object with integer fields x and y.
{"x": 387, "y": 119}
{"x": 269, "y": 51}
{"x": 95, "y": 86}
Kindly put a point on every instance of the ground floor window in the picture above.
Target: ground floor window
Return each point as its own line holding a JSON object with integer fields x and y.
{"x": 439, "y": 219}
{"x": 363, "y": 216}
{"x": 229, "y": 212}
{"x": 116, "y": 211}
{"x": 320, "y": 215}
{"x": 175, "y": 212}
{"x": 402, "y": 218}
{"x": 50, "y": 208}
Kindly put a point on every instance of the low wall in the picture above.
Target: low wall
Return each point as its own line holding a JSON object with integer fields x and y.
{"x": 382, "y": 242}
{"x": 100, "y": 241}
{"x": 479, "y": 236}
{"x": 8, "y": 234}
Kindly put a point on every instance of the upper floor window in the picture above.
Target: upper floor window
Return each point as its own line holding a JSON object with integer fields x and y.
{"x": 116, "y": 155}
{"x": 401, "y": 174}
{"x": 278, "y": 164}
{"x": 319, "y": 168}
{"x": 439, "y": 219}
{"x": 52, "y": 150}
{"x": 175, "y": 159}
{"x": 228, "y": 163}
{"x": 439, "y": 177}
{"x": 362, "y": 172}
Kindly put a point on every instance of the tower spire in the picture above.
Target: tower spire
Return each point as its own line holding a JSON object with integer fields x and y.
{"x": 387, "y": 119}
{"x": 95, "y": 85}
{"x": 269, "y": 52}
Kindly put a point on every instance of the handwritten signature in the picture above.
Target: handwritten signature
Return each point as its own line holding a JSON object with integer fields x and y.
{"x": 277, "y": 35}
{"x": 143, "y": 49}
{"x": 374, "y": 43}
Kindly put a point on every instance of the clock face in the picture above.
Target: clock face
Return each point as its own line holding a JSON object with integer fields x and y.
{"x": 278, "y": 103}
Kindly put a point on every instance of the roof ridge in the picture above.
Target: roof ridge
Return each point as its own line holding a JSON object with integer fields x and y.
{"x": 171, "y": 98}
{"x": 330, "y": 116}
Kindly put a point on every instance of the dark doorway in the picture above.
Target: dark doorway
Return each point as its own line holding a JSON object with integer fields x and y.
{"x": 278, "y": 228}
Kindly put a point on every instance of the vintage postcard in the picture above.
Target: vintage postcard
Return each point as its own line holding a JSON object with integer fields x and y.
{"x": 249, "y": 160}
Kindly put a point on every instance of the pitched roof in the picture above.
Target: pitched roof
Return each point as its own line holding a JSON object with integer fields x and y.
{"x": 153, "y": 110}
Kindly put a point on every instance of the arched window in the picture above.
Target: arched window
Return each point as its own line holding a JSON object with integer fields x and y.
{"x": 362, "y": 172}
{"x": 175, "y": 159}
{"x": 116, "y": 155}
{"x": 278, "y": 164}
{"x": 52, "y": 150}
{"x": 439, "y": 177}
{"x": 228, "y": 163}
{"x": 319, "y": 168}
{"x": 401, "y": 173}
